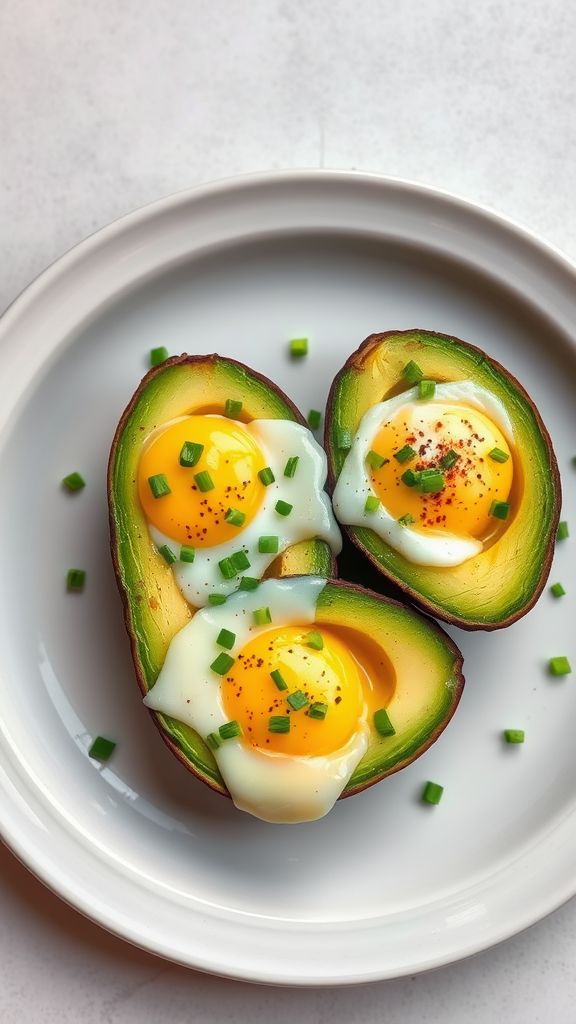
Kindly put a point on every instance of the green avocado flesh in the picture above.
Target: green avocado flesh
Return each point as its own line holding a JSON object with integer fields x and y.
{"x": 154, "y": 608}
{"x": 502, "y": 582}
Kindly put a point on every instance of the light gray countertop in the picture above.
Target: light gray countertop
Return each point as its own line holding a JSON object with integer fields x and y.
{"x": 105, "y": 107}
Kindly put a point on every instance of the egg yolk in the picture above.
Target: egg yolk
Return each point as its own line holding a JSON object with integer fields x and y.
{"x": 335, "y": 676}
{"x": 232, "y": 459}
{"x": 471, "y": 484}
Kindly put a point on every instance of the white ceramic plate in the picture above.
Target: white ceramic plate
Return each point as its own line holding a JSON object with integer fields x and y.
{"x": 384, "y": 885}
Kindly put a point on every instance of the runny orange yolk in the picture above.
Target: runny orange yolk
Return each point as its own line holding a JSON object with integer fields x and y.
{"x": 231, "y": 457}
{"x": 351, "y": 685}
{"x": 471, "y": 485}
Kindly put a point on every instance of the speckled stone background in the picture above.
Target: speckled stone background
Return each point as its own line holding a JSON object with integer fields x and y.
{"x": 106, "y": 106}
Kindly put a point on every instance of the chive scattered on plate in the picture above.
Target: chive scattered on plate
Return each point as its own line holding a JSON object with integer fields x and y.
{"x": 557, "y": 590}
{"x": 559, "y": 666}
{"x": 432, "y": 793}
{"x": 563, "y": 531}
{"x": 101, "y": 748}
{"x": 74, "y": 482}
{"x": 298, "y": 347}
{"x": 75, "y": 579}
{"x": 514, "y": 735}
{"x": 159, "y": 355}
{"x": 314, "y": 419}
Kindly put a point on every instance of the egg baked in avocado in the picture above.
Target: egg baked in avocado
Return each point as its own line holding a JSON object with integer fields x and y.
{"x": 444, "y": 475}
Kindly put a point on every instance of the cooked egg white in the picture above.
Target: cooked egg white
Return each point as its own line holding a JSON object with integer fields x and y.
{"x": 448, "y": 527}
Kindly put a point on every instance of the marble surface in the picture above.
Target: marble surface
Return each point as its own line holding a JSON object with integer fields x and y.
{"x": 107, "y": 106}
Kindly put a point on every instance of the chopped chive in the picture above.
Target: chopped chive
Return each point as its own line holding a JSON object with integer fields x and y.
{"x": 213, "y": 740}
{"x": 450, "y": 459}
{"x": 240, "y": 560}
{"x": 375, "y": 461}
{"x": 279, "y": 679}
{"x": 557, "y": 590}
{"x": 190, "y": 453}
{"x": 226, "y": 639}
{"x": 406, "y": 454}
{"x": 75, "y": 579}
{"x": 574, "y": 460}
{"x": 279, "y": 723}
{"x": 291, "y": 465}
{"x": 314, "y": 419}
{"x": 261, "y": 616}
{"x": 372, "y": 503}
{"x": 412, "y": 372}
{"x": 514, "y": 735}
{"x": 500, "y": 509}
{"x": 232, "y": 408}
{"x": 101, "y": 748}
{"x": 266, "y": 476}
{"x": 217, "y": 599}
{"x": 230, "y": 730}
{"x": 283, "y": 508}
{"x": 222, "y": 663}
{"x": 74, "y": 482}
{"x": 343, "y": 439}
{"x": 410, "y": 478}
{"x": 159, "y": 485}
{"x": 315, "y": 640}
{"x": 431, "y": 482}
{"x": 432, "y": 793}
{"x": 298, "y": 347}
{"x": 227, "y": 568}
{"x": 187, "y": 554}
{"x": 297, "y": 700}
{"x": 426, "y": 389}
{"x": 563, "y": 531}
{"x": 204, "y": 481}
{"x": 497, "y": 455}
{"x": 318, "y": 711}
{"x": 382, "y": 723}
{"x": 158, "y": 355}
{"x": 235, "y": 517}
{"x": 559, "y": 666}
{"x": 168, "y": 555}
{"x": 268, "y": 545}
{"x": 407, "y": 519}
{"x": 248, "y": 583}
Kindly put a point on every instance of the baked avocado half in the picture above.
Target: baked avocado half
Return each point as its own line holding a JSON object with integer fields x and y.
{"x": 154, "y": 607}
{"x": 493, "y": 472}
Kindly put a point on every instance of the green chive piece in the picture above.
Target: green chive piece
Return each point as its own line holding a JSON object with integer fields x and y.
{"x": 204, "y": 481}
{"x": 75, "y": 579}
{"x": 266, "y": 476}
{"x": 406, "y": 520}
{"x": 410, "y": 478}
{"x": 500, "y": 509}
{"x": 432, "y": 793}
{"x": 315, "y": 640}
{"x": 559, "y": 666}
{"x": 314, "y": 419}
{"x": 74, "y": 482}
{"x": 372, "y": 503}
{"x": 158, "y": 355}
{"x": 343, "y": 439}
{"x": 226, "y": 639}
{"x": 563, "y": 531}
{"x": 227, "y": 568}
{"x": 297, "y": 700}
{"x": 497, "y": 455}
{"x": 262, "y": 616}
{"x": 450, "y": 459}
{"x": 168, "y": 555}
{"x": 240, "y": 561}
{"x": 426, "y": 389}
{"x": 248, "y": 583}
{"x": 230, "y": 730}
{"x": 233, "y": 408}
{"x": 187, "y": 554}
{"x": 159, "y": 485}
{"x": 431, "y": 482}
{"x": 268, "y": 545}
{"x": 375, "y": 461}
{"x": 406, "y": 454}
{"x": 279, "y": 679}
{"x": 382, "y": 723}
{"x": 217, "y": 599}
{"x": 213, "y": 740}
{"x": 222, "y": 663}
{"x": 291, "y": 465}
{"x": 235, "y": 517}
{"x": 279, "y": 723}
{"x": 557, "y": 590}
{"x": 101, "y": 748}
{"x": 298, "y": 347}
{"x": 514, "y": 735}
{"x": 190, "y": 453}
{"x": 318, "y": 711}
{"x": 283, "y": 508}
{"x": 412, "y": 372}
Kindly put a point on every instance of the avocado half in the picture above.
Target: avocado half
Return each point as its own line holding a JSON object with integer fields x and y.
{"x": 502, "y": 583}
{"x": 154, "y": 608}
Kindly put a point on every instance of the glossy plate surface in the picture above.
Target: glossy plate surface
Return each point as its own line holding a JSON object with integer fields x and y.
{"x": 383, "y": 886}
